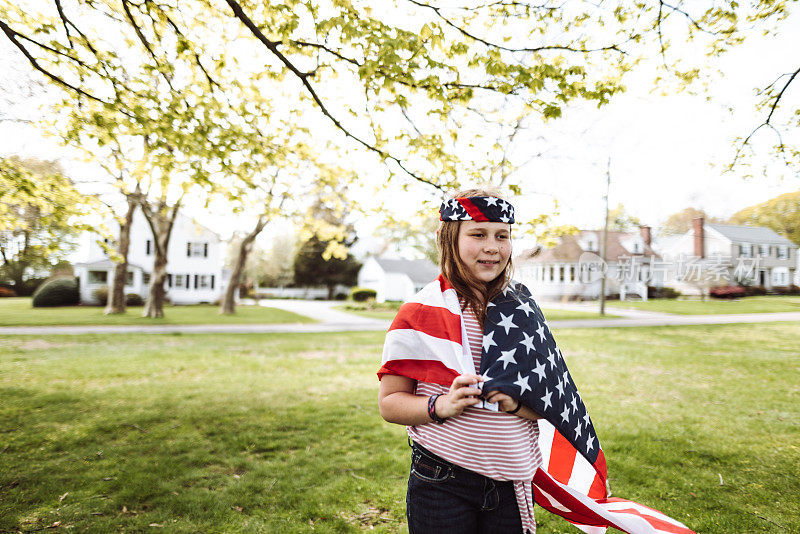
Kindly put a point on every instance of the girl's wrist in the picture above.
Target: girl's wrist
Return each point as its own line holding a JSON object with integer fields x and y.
{"x": 432, "y": 409}
{"x": 515, "y": 410}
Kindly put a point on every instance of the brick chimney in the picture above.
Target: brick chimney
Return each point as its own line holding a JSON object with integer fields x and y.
{"x": 645, "y": 231}
{"x": 699, "y": 237}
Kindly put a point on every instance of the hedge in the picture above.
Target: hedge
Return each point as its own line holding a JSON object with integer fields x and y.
{"x": 362, "y": 294}
{"x": 57, "y": 292}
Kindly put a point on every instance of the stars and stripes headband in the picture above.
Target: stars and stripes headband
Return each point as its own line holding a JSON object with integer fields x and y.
{"x": 484, "y": 209}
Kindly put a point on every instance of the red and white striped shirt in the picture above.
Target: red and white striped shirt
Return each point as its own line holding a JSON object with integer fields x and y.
{"x": 495, "y": 444}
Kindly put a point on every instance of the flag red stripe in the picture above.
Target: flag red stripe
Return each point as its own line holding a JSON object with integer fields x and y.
{"x": 600, "y": 465}
{"x": 598, "y": 488}
{"x": 582, "y": 514}
{"x": 432, "y": 320}
{"x": 472, "y": 209}
{"x": 562, "y": 458}
{"x": 657, "y": 523}
{"x": 421, "y": 370}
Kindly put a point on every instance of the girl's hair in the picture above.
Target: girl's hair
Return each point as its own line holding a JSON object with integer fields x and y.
{"x": 475, "y": 293}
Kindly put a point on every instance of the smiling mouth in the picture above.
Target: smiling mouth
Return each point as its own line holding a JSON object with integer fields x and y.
{"x": 488, "y": 262}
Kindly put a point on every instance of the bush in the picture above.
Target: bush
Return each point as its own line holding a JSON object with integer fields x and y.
{"x": 727, "y": 292}
{"x": 362, "y": 294}
{"x": 100, "y": 296}
{"x": 7, "y": 292}
{"x": 751, "y": 291}
{"x": 780, "y": 290}
{"x": 662, "y": 293}
{"x": 134, "y": 299}
{"x": 57, "y": 292}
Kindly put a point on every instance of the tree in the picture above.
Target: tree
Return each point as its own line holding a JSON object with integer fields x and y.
{"x": 323, "y": 257}
{"x": 39, "y": 208}
{"x": 313, "y": 268}
{"x": 620, "y": 220}
{"x": 781, "y": 213}
{"x": 425, "y": 89}
{"x": 269, "y": 267}
{"x": 681, "y": 221}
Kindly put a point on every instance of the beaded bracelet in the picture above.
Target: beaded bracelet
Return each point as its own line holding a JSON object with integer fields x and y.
{"x": 432, "y": 409}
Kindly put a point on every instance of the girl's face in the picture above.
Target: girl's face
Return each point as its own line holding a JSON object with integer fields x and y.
{"x": 484, "y": 248}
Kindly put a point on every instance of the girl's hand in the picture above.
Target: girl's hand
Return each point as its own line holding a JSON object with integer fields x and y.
{"x": 460, "y": 396}
{"x": 505, "y": 403}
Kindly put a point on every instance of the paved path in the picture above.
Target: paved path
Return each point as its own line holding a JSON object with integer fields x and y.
{"x": 344, "y": 322}
{"x": 594, "y": 307}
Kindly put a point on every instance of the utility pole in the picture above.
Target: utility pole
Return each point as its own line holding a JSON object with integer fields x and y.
{"x": 605, "y": 244}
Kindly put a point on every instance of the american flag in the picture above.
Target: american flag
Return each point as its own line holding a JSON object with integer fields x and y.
{"x": 427, "y": 342}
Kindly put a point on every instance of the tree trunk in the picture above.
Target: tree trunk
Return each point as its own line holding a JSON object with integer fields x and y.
{"x": 154, "y": 307}
{"x": 161, "y": 220}
{"x": 228, "y": 306}
{"x": 331, "y": 289}
{"x": 116, "y": 297}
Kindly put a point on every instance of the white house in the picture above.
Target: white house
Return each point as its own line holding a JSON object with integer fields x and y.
{"x": 396, "y": 279}
{"x": 749, "y": 255}
{"x": 572, "y": 268}
{"x": 194, "y": 262}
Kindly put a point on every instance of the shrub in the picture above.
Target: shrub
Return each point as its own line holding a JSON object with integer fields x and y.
{"x": 362, "y": 294}
{"x": 751, "y": 291}
{"x": 780, "y": 290}
{"x": 134, "y": 299}
{"x": 57, "y": 292}
{"x": 662, "y": 293}
{"x": 7, "y": 292}
{"x": 100, "y": 296}
{"x": 727, "y": 292}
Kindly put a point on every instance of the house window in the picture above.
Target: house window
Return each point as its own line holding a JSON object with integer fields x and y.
{"x": 783, "y": 252}
{"x": 145, "y": 278}
{"x": 178, "y": 280}
{"x": 746, "y": 250}
{"x": 763, "y": 250}
{"x": 98, "y": 277}
{"x": 780, "y": 277}
{"x": 129, "y": 278}
{"x": 196, "y": 249}
{"x": 204, "y": 281}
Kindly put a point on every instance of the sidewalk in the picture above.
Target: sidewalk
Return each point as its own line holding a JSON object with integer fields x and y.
{"x": 356, "y": 323}
{"x": 594, "y": 307}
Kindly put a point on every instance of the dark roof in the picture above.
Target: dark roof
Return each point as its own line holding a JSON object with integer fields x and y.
{"x": 750, "y": 234}
{"x": 420, "y": 271}
{"x": 569, "y": 249}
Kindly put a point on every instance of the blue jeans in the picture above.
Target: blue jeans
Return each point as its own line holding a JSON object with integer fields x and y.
{"x": 444, "y": 498}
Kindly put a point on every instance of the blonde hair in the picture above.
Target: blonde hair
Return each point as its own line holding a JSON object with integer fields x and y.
{"x": 475, "y": 293}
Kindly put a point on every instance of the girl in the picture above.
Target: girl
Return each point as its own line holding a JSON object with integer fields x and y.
{"x": 473, "y": 456}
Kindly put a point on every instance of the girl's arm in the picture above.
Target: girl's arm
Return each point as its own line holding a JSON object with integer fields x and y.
{"x": 506, "y": 404}
{"x": 398, "y": 404}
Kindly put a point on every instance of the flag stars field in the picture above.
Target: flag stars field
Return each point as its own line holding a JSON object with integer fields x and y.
{"x": 507, "y": 322}
{"x": 507, "y": 357}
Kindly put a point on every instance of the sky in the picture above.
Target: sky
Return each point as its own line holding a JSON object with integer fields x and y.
{"x": 666, "y": 152}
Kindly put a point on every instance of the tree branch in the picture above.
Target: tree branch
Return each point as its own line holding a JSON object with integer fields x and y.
{"x": 272, "y": 46}
{"x": 11, "y": 35}
{"x": 490, "y": 44}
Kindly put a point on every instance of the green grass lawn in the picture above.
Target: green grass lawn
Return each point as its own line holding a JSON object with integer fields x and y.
{"x": 280, "y": 432}
{"x": 764, "y": 304}
{"x": 19, "y": 312}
